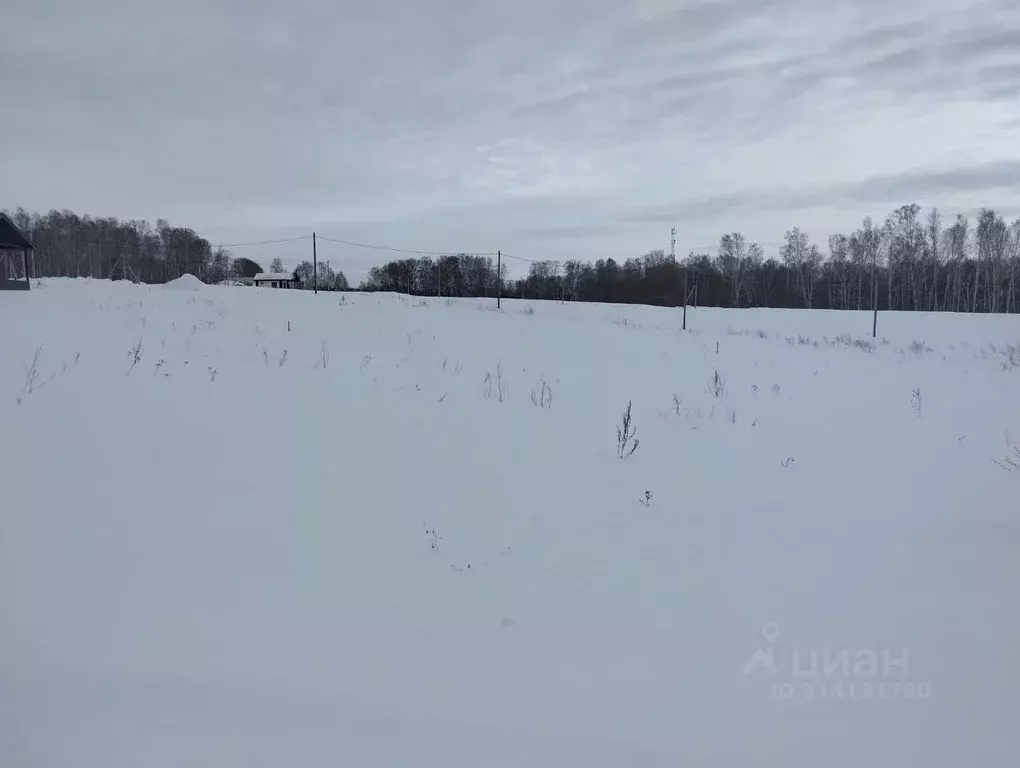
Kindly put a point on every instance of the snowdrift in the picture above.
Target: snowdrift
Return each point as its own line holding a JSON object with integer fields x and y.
{"x": 186, "y": 282}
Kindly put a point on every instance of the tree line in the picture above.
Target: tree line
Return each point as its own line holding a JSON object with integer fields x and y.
{"x": 69, "y": 245}
{"x": 909, "y": 262}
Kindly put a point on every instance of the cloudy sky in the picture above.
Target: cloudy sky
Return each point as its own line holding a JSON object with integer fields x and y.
{"x": 547, "y": 128}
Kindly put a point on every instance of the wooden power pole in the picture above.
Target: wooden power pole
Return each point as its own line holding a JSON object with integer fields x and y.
{"x": 315, "y": 267}
{"x": 874, "y": 295}
{"x": 686, "y": 294}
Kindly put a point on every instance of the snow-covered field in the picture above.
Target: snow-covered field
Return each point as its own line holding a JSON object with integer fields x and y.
{"x": 320, "y": 531}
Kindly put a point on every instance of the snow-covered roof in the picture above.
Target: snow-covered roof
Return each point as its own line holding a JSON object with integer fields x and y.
{"x": 274, "y": 276}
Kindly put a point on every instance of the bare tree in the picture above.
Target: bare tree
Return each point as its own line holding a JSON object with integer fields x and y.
{"x": 934, "y": 259}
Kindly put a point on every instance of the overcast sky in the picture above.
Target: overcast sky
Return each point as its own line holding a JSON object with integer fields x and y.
{"x": 547, "y": 128}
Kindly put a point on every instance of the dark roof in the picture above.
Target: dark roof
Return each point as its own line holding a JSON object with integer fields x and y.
{"x": 10, "y": 236}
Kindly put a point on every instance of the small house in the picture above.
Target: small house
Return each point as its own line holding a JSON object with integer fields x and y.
{"x": 274, "y": 280}
{"x": 14, "y": 248}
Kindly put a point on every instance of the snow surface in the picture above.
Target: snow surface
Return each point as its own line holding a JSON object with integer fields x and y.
{"x": 337, "y": 546}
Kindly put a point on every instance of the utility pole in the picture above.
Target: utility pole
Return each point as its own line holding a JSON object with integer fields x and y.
{"x": 672, "y": 258}
{"x": 315, "y": 267}
{"x": 499, "y": 279}
{"x": 874, "y": 294}
{"x": 686, "y": 294}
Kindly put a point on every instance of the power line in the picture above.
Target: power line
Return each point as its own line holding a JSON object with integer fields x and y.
{"x": 265, "y": 242}
{"x": 403, "y": 250}
{"x": 371, "y": 246}
{"x": 376, "y": 247}
{"x": 521, "y": 258}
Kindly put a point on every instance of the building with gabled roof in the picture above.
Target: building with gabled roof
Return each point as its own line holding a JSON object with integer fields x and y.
{"x": 274, "y": 280}
{"x": 14, "y": 248}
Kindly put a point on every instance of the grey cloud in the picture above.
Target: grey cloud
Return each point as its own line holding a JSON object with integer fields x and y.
{"x": 872, "y": 39}
{"x": 986, "y": 179}
{"x": 908, "y": 58}
{"x": 984, "y": 41}
{"x": 905, "y": 60}
{"x": 568, "y": 231}
{"x": 548, "y": 124}
{"x": 882, "y": 191}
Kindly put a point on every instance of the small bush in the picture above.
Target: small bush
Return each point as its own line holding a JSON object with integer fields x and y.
{"x": 1011, "y": 357}
{"x": 1011, "y": 461}
{"x": 693, "y": 415}
{"x": 500, "y": 383}
{"x": 135, "y": 353}
{"x": 626, "y": 436}
{"x": 32, "y": 382}
{"x": 433, "y": 537}
{"x": 495, "y": 384}
{"x": 919, "y": 348}
{"x": 542, "y": 397}
{"x": 717, "y": 385}
{"x": 758, "y": 334}
{"x": 844, "y": 339}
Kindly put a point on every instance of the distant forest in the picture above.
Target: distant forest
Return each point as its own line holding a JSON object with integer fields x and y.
{"x": 909, "y": 262}
{"x": 69, "y": 245}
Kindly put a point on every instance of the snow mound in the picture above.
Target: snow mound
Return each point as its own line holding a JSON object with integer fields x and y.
{"x": 186, "y": 282}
